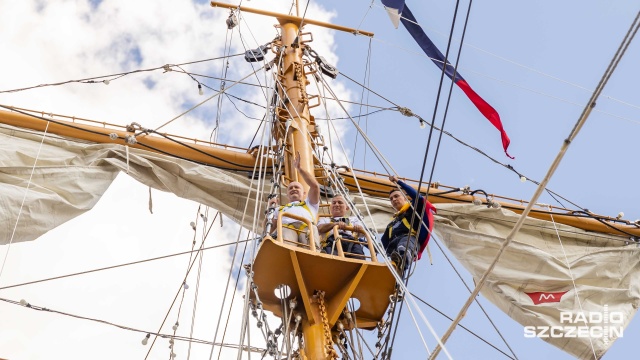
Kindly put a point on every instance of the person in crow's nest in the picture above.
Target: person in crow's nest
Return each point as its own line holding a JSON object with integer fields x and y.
{"x": 407, "y": 235}
{"x": 300, "y": 204}
{"x": 351, "y": 246}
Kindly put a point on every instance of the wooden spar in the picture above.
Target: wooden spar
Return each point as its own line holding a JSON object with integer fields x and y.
{"x": 284, "y": 18}
{"x": 217, "y": 157}
{"x": 244, "y": 161}
{"x": 380, "y": 187}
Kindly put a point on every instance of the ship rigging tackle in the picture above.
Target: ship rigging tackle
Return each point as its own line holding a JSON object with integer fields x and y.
{"x": 325, "y": 305}
{"x": 317, "y": 301}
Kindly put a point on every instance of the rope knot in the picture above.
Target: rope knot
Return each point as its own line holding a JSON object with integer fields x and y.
{"x": 405, "y": 111}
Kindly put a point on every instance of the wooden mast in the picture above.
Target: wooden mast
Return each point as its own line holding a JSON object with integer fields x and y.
{"x": 322, "y": 283}
{"x": 294, "y": 94}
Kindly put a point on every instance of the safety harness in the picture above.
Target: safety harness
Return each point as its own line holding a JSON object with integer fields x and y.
{"x": 302, "y": 225}
{"x": 327, "y": 239}
{"x": 401, "y": 216}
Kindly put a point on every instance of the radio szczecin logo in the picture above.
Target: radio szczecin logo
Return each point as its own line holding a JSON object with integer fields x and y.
{"x": 583, "y": 324}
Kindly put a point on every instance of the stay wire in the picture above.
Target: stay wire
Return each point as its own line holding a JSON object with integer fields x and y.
{"x": 464, "y": 327}
{"x": 466, "y": 22}
{"x": 366, "y": 80}
{"x": 24, "y": 198}
{"x": 223, "y": 75}
{"x": 418, "y": 197}
{"x": 552, "y": 169}
{"x": 263, "y": 87}
{"x": 258, "y": 191}
{"x": 304, "y": 15}
{"x": 116, "y": 266}
{"x": 197, "y": 290}
{"x": 123, "y": 327}
{"x": 178, "y": 292}
{"x": 438, "y": 146}
{"x": 166, "y": 67}
{"x": 193, "y": 244}
{"x": 233, "y": 294}
{"x": 331, "y": 172}
{"x": 507, "y": 166}
{"x": 376, "y": 244}
{"x": 365, "y": 15}
{"x": 242, "y": 112}
{"x": 486, "y": 314}
{"x": 528, "y": 68}
{"x": 383, "y": 161}
{"x": 575, "y": 287}
{"x": 205, "y": 100}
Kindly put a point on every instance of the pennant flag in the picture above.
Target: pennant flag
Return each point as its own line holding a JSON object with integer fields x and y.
{"x": 398, "y": 11}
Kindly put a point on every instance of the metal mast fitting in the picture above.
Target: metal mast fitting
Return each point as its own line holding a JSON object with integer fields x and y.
{"x": 293, "y": 19}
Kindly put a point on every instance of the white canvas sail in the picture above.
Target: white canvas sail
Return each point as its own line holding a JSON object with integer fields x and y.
{"x": 534, "y": 280}
{"x": 70, "y": 177}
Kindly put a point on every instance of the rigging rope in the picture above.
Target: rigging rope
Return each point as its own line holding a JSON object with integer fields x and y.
{"x": 467, "y": 329}
{"x": 24, "y": 198}
{"x": 244, "y": 213}
{"x": 378, "y": 246}
{"x": 112, "y": 77}
{"x": 180, "y": 338}
{"x": 573, "y": 282}
{"x": 222, "y": 91}
{"x": 479, "y": 304}
{"x": 367, "y": 80}
{"x": 197, "y": 290}
{"x": 178, "y": 292}
{"x": 427, "y": 147}
{"x": 507, "y": 166}
{"x": 574, "y": 132}
{"x": 225, "y": 68}
{"x": 119, "y": 265}
{"x": 468, "y": 70}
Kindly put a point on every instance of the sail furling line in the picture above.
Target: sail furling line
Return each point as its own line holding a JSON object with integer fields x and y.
{"x": 573, "y": 280}
{"x": 574, "y": 132}
{"x": 24, "y": 197}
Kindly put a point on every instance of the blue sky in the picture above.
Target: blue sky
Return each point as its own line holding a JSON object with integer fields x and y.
{"x": 536, "y": 63}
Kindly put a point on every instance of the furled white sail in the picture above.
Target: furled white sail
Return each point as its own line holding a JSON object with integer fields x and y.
{"x": 70, "y": 176}
{"x": 534, "y": 280}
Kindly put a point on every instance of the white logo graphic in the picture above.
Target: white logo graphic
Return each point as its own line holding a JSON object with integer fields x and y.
{"x": 544, "y": 296}
{"x": 603, "y": 325}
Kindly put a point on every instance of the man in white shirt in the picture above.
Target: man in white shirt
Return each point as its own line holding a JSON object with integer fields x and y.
{"x": 338, "y": 217}
{"x": 292, "y": 229}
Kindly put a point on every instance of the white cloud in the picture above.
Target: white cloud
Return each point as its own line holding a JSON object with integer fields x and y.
{"x": 71, "y": 39}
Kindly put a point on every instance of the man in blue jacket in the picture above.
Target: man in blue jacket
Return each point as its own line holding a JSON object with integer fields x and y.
{"x": 407, "y": 234}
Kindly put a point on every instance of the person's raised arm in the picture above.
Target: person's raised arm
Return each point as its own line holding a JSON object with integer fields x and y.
{"x": 411, "y": 192}
{"x": 314, "y": 187}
